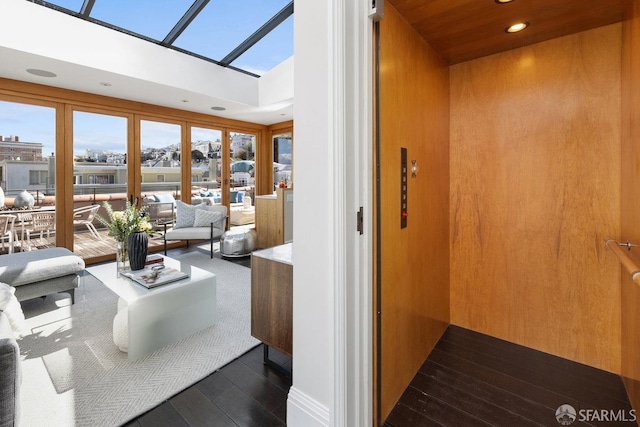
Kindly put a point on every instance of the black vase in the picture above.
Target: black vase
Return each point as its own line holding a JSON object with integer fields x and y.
{"x": 138, "y": 244}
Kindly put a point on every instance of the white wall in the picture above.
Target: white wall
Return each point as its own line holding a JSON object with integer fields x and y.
{"x": 332, "y": 157}
{"x": 275, "y": 86}
{"x": 310, "y": 397}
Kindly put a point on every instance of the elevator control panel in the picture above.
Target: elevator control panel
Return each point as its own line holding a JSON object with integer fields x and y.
{"x": 403, "y": 187}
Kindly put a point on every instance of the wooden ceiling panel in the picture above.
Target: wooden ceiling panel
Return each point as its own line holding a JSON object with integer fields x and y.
{"x": 460, "y": 30}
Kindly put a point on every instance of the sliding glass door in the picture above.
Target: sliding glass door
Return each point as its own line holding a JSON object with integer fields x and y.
{"x": 72, "y": 155}
{"x": 242, "y": 178}
{"x": 27, "y": 175}
{"x": 99, "y": 175}
{"x": 206, "y": 165}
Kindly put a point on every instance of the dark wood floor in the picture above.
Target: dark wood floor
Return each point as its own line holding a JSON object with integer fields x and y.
{"x": 471, "y": 379}
{"x": 243, "y": 393}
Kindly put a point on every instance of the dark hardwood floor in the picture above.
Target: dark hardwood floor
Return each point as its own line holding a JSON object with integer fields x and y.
{"x": 470, "y": 379}
{"x": 244, "y": 392}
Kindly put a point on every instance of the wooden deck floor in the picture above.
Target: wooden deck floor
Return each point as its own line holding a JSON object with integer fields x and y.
{"x": 86, "y": 245}
{"x": 471, "y": 379}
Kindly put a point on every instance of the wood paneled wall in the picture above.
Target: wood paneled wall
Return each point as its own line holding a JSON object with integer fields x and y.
{"x": 535, "y": 189}
{"x": 630, "y": 202}
{"x": 414, "y": 109}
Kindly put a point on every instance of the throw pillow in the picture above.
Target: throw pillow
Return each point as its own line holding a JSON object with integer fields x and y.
{"x": 204, "y": 218}
{"x": 10, "y": 305}
{"x": 233, "y": 196}
{"x": 186, "y": 214}
{"x": 240, "y": 197}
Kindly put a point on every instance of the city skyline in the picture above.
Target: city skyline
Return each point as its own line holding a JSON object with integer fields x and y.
{"x": 33, "y": 123}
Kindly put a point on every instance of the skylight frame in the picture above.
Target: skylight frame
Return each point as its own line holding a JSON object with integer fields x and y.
{"x": 181, "y": 24}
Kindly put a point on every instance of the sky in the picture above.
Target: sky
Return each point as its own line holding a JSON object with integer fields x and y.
{"x": 220, "y": 27}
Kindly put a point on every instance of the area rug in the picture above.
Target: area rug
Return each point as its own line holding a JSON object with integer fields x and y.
{"x": 73, "y": 374}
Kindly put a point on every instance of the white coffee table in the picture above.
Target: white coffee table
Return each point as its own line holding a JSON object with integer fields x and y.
{"x": 160, "y": 316}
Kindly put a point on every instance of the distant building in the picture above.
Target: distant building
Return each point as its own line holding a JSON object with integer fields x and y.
{"x": 241, "y": 143}
{"x": 18, "y": 175}
{"x": 23, "y": 168}
{"x": 12, "y": 149}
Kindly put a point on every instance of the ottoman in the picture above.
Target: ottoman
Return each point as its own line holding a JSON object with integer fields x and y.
{"x": 238, "y": 243}
{"x": 42, "y": 272}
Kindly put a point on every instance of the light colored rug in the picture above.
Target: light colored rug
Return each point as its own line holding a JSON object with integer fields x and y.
{"x": 73, "y": 374}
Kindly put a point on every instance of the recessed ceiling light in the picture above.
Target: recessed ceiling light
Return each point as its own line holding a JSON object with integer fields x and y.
{"x": 517, "y": 27}
{"x": 218, "y": 108}
{"x": 106, "y": 84}
{"x": 41, "y": 73}
{"x": 503, "y": 1}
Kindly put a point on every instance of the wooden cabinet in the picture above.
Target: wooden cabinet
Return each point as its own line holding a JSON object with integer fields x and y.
{"x": 274, "y": 218}
{"x": 272, "y": 297}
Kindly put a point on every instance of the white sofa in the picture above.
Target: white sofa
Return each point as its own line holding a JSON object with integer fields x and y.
{"x": 197, "y": 222}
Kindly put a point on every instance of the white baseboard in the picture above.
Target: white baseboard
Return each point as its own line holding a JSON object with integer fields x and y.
{"x": 303, "y": 411}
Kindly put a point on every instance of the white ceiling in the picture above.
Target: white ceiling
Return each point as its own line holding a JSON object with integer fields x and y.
{"x": 84, "y": 55}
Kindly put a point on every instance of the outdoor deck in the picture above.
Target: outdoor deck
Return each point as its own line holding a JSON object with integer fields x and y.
{"x": 86, "y": 245}
{"x": 89, "y": 248}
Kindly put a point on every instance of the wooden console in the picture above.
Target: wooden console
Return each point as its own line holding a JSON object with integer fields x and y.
{"x": 272, "y": 297}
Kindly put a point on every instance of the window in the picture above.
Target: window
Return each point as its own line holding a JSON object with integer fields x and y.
{"x": 37, "y": 177}
{"x": 219, "y": 31}
{"x": 101, "y": 179}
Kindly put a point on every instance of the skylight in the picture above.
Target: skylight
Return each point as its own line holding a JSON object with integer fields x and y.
{"x": 222, "y": 31}
{"x": 149, "y": 18}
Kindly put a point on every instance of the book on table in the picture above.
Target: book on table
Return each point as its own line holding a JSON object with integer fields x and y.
{"x": 154, "y": 259}
{"x": 152, "y": 276}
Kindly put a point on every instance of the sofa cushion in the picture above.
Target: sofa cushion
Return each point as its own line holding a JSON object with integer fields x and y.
{"x": 204, "y": 218}
{"x": 11, "y": 374}
{"x": 186, "y": 214}
{"x": 13, "y": 310}
{"x": 192, "y": 233}
{"x": 34, "y": 266}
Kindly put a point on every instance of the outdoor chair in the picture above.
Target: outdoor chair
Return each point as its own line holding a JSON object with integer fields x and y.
{"x": 6, "y": 230}
{"x": 41, "y": 222}
{"x": 84, "y": 216}
{"x": 160, "y": 213}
